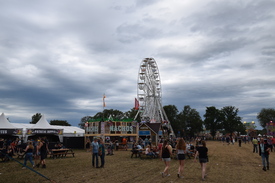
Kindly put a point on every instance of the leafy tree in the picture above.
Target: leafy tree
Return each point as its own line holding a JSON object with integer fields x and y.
{"x": 132, "y": 114}
{"x": 230, "y": 120}
{"x": 115, "y": 114}
{"x": 84, "y": 120}
{"x": 212, "y": 120}
{"x": 241, "y": 129}
{"x": 60, "y": 123}
{"x": 36, "y": 118}
{"x": 172, "y": 115}
{"x": 190, "y": 121}
{"x": 266, "y": 115}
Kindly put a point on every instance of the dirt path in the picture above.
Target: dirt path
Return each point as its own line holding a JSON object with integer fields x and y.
{"x": 228, "y": 163}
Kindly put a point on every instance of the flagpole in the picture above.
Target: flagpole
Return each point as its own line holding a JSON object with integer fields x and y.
{"x": 103, "y": 106}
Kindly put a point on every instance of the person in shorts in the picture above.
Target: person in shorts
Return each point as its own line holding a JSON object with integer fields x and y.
{"x": 202, "y": 151}
{"x": 165, "y": 154}
{"x": 181, "y": 149}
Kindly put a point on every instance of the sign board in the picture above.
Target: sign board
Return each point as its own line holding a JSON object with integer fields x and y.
{"x": 45, "y": 131}
{"x": 144, "y": 133}
{"x": 11, "y": 131}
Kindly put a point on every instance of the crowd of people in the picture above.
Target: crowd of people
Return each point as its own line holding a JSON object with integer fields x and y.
{"x": 181, "y": 149}
{"x": 10, "y": 147}
{"x": 260, "y": 144}
{"x": 36, "y": 150}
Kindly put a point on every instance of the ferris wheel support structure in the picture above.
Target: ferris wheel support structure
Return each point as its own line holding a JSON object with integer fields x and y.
{"x": 149, "y": 96}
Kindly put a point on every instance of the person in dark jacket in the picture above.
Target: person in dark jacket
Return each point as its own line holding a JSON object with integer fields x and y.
{"x": 264, "y": 153}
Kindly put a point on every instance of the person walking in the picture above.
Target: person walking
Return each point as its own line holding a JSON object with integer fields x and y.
{"x": 95, "y": 147}
{"x": 36, "y": 152}
{"x": 264, "y": 153}
{"x": 101, "y": 153}
{"x": 255, "y": 145}
{"x": 43, "y": 148}
{"x": 28, "y": 156}
{"x": 165, "y": 154}
{"x": 181, "y": 149}
{"x": 202, "y": 151}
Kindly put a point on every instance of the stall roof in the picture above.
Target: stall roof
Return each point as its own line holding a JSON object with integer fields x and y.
{"x": 66, "y": 129}
{"x": 43, "y": 123}
{"x": 4, "y": 123}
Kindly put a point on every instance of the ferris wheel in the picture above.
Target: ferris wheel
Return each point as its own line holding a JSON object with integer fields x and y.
{"x": 149, "y": 93}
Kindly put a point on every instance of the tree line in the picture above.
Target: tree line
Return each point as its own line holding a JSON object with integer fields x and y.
{"x": 187, "y": 122}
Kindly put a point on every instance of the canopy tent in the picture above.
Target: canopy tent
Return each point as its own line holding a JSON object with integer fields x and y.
{"x": 6, "y": 128}
{"x": 68, "y": 131}
{"x": 43, "y": 128}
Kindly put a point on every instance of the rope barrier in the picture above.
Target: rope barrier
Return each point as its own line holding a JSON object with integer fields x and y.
{"x": 28, "y": 167}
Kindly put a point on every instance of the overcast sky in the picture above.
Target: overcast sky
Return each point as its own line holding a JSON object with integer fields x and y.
{"x": 59, "y": 57}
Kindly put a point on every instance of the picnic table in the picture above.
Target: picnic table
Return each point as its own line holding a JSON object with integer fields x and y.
{"x": 61, "y": 153}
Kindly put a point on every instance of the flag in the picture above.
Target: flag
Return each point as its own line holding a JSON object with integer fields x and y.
{"x": 136, "y": 104}
{"x": 104, "y": 104}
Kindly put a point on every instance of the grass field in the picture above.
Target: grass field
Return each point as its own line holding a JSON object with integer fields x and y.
{"x": 227, "y": 163}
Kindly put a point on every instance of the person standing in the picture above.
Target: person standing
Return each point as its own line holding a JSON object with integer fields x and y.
{"x": 28, "y": 156}
{"x": 165, "y": 154}
{"x": 43, "y": 147}
{"x": 264, "y": 153}
{"x": 255, "y": 145}
{"x": 95, "y": 147}
{"x": 240, "y": 141}
{"x": 124, "y": 143}
{"x": 88, "y": 144}
{"x": 117, "y": 145}
{"x": 101, "y": 153}
{"x": 181, "y": 149}
{"x": 202, "y": 151}
{"x": 273, "y": 143}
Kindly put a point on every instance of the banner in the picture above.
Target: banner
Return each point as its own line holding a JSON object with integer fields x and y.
{"x": 136, "y": 104}
{"x": 11, "y": 131}
{"x": 45, "y": 131}
{"x": 104, "y": 104}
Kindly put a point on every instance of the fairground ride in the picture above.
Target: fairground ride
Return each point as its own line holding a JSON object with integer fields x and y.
{"x": 149, "y": 96}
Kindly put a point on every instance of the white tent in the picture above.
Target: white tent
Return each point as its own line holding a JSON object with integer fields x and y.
{"x": 4, "y": 123}
{"x": 6, "y": 128}
{"x": 42, "y": 127}
{"x": 42, "y": 124}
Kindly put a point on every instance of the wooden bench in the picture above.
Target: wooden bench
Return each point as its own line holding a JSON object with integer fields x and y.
{"x": 136, "y": 152}
{"x": 61, "y": 153}
{"x": 20, "y": 155}
{"x": 70, "y": 151}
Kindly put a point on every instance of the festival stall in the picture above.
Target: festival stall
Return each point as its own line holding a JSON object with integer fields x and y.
{"x": 7, "y": 130}
{"x": 150, "y": 130}
{"x": 43, "y": 128}
{"x": 112, "y": 130}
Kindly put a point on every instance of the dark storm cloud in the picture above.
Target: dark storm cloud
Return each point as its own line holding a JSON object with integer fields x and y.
{"x": 59, "y": 57}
